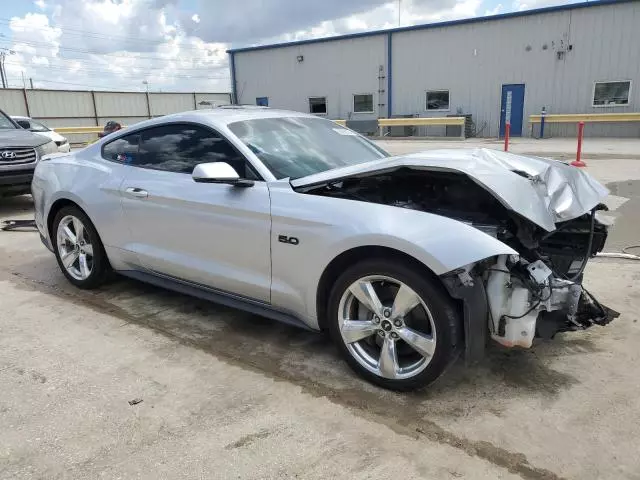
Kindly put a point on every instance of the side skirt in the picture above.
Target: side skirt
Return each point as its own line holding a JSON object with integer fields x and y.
{"x": 216, "y": 296}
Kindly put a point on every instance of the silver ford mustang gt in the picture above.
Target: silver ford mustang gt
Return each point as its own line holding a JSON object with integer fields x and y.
{"x": 406, "y": 261}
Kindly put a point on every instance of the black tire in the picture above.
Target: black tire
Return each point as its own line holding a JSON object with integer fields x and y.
{"x": 101, "y": 270}
{"x": 445, "y": 317}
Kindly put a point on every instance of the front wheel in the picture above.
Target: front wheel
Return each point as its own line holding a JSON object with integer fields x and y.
{"x": 394, "y": 325}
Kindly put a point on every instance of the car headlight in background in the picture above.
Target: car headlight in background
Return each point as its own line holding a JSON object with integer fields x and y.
{"x": 46, "y": 149}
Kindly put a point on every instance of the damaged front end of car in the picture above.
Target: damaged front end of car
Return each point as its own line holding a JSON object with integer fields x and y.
{"x": 520, "y": 300}
{"x": 545, "y": 210}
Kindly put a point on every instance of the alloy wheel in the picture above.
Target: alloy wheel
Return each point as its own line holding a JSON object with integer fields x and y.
{"x": 387, "y": 327}
{"x": 74, "y": 247}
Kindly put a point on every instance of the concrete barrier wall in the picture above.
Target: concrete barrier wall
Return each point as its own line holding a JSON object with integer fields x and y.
{"x": 76, "y": 108}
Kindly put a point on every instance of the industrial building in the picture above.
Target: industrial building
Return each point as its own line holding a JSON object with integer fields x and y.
{"x": 573, "y": 59}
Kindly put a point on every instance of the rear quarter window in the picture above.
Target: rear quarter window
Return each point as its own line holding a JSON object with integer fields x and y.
{"x": 122, "y": 150}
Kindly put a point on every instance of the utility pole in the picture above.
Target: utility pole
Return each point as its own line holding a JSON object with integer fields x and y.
{"x": 3, "y": 72}
{"x": 399, "y": 12}
{"x": 24, "y": 82}
{"x": 2, "y": 55}
{"x": 31, "y": 82}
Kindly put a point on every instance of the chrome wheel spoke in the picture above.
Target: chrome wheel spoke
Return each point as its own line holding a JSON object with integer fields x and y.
{"x": 69, "y": 258}
{"x": 425, "y": 345}
{"x": 88, "y": 249}
{"x": 79, "y": 229}
{"x": 388, "y": 363}
{"x": 356, "y": 330}
{"x": 366, "y": 295}
{"x": 405, "y": 301}
{"x": 84, "y": 268}
{"x": 69, "y": 235}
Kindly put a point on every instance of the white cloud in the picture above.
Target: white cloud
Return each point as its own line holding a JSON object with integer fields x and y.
{"x": 175, "y": 45}
{"x": 494, "y": 11}
{"x": 116, "y": 45}
{"x": 520, "y": 5}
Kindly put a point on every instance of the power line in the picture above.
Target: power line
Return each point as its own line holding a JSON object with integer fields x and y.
{"x": 96, "y": 71}
{"x": 111, "y": 88}
{"x": 72, "y": 83}
{"x": 90, "y": 63}
{"x": 79, "y": 50}
{"x": 101, "y": 36}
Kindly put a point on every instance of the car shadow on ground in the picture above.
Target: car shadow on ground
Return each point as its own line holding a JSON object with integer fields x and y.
{"x": 20, "y": 206}
{"x": 310, "y": 360}
{"x": 305, "y": 358}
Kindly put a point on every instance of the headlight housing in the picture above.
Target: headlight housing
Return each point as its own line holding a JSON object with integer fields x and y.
{"x": 46, "y": 149}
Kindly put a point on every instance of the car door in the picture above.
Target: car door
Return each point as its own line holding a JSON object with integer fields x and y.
{"x": 215, "y": 235}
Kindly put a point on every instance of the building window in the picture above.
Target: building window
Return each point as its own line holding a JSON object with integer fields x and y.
{"x": 363, "y": 103}
{"x": 318, "y": 105}
{"x": 438, "y": 100}
{"x": 262, "y": 101}
{"x": 608, "y": 94}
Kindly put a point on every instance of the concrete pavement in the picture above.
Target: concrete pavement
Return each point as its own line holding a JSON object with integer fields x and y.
{"x": 231, "y": 395}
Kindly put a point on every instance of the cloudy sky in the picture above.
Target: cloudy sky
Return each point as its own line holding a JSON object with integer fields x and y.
{"x": 179, "y": 45}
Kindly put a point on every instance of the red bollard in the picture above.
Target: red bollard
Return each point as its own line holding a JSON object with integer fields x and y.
{"x": 507, "y": 130}
{"x": 577, "y": 162}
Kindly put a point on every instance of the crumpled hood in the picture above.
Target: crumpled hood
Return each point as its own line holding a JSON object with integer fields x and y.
{"x": 20, "y": 138}
{"x": 544, "y": 191}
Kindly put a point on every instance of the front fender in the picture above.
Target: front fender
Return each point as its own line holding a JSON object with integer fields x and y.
{"x": 441, "y": 244}
{"x": 327, "y": 227}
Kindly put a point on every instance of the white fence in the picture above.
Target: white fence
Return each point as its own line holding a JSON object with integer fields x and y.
{"x": 71, "y": 108}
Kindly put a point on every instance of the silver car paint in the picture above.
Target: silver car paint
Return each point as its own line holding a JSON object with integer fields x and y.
{"x": 220, "y": 235}
{"x": 327, "y": 227}
{"x": 212, "y": 234}
{"x": 89, "y": 181}
{"x": 554, "y": 192}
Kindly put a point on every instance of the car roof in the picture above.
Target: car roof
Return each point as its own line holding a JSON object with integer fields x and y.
{"x": 20, "y": 117}
{"x": 222, "y": 116}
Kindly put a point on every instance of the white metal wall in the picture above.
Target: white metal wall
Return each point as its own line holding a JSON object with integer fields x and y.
{"x": 61, "y": 108}
{"x": 73, "y": 108}
{"x": 332, "y": 70}
{"x": 471, "y": 60}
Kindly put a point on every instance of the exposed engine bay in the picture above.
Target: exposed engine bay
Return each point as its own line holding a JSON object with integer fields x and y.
{"x": 537, "y": 293}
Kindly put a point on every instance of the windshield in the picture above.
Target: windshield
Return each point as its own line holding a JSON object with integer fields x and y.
{"x": 5, "y": 123}
{"x": 38, "y": 127}
{"x": 298, "y": 146}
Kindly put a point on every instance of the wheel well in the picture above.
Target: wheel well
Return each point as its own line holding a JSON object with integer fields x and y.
{"x": 351, "y": 257}
{"x": 55, "y": 208}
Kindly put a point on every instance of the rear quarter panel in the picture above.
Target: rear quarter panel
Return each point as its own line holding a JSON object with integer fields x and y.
{"x": 88, "y": 180}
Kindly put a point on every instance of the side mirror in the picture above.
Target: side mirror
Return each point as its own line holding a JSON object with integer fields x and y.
{"x": 218, "y": 172}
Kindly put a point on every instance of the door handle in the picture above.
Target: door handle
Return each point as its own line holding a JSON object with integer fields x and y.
{"x": 137, "y": 192}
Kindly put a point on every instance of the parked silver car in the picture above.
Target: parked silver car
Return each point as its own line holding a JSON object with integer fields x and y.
{"x": 406, "y": 261}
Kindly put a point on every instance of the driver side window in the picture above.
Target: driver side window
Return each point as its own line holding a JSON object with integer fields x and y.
{"x": 180, "y": 147}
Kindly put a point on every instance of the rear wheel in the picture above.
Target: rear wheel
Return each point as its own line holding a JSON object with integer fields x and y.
{"x": 78, "y": 249}
{"x": 394, "y": 326}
